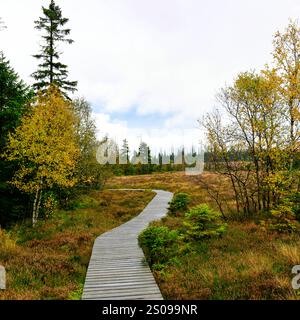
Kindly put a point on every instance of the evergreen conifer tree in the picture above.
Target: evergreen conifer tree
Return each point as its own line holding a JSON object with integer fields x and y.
{"x": 50, "y": 69}
{"x": 14, "y": 95}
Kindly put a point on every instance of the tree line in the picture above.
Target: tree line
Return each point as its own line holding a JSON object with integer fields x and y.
{"x": 143, "y": 161}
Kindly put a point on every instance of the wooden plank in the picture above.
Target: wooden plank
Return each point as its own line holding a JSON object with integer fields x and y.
{"x": 117, "y": 268}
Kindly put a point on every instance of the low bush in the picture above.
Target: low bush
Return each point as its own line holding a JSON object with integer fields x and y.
{"x": 179, "y": 202}
{"x": 283, "y": 219}
{"x": 159, "y": 244}
{"x": 202, "y": 222}
{"x": 163, "y": 246}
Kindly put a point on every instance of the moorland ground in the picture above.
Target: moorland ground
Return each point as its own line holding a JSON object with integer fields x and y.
{"x": 49, "y": 261}
{"x": 247, "y": 262}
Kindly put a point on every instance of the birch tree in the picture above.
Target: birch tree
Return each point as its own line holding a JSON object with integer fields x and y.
{"x": 45, "y": 146}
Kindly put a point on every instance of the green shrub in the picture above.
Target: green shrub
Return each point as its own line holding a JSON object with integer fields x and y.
{"x": 202, "y": 222}
{"x": 283, "y": 218}
{"x": 159, "y": 245}
{"x": 179, "y": 202}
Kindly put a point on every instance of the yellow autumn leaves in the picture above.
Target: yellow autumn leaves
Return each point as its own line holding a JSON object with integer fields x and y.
{"x": 45, "y": 145}
{"x": 45, "y": 142}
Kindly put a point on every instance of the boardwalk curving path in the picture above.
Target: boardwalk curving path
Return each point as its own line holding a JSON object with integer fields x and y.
{"x": 117, "y": 269}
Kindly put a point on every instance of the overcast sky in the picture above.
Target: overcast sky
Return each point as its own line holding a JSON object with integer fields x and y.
{"x": 151, "y": 68}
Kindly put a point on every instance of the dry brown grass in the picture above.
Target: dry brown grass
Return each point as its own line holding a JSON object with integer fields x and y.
{"x": 290, "y": 252}
{"x": 50, "y": 260}
{"x": 179, "y": 182}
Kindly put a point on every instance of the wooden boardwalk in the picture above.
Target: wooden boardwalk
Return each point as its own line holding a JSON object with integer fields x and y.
{"x": 117, "y": 269}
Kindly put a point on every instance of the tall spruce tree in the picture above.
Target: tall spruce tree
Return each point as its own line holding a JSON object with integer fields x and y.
{"x": 51, "y": 70}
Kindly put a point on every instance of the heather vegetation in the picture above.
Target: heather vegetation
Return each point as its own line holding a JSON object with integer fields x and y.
{"x": 197, "y": 254}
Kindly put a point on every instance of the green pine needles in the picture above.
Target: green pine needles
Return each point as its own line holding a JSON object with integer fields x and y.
{"x": 50, "y": 69}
